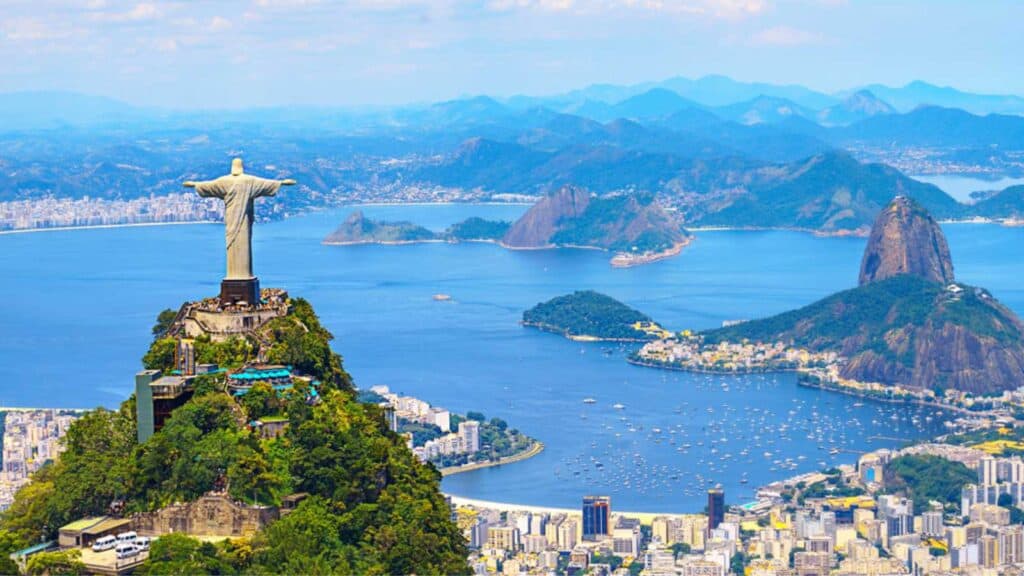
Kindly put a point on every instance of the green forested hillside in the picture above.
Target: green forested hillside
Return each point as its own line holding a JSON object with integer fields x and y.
{"x": 904, "y": 330}
{"x": 830, "y": 192}
{"x": 622, "y": 223}
{"x": 373, "y": 508}
{"x": 476, "y": 228}
{"x": 587, "y": 313}
{"x": 925, "y": 477}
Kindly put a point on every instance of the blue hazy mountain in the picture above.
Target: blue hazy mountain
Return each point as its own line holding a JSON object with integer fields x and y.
{"x": 763, "y": 110}
{"x": 920, "y": 93}
{"x": 716, "y": 90}
{"x": 937, "y": 126}
{"x": 712, "y": 90}
{"x": 648, "y": 105}
{"x": 1007, "y": 203}
{"x": 771, "y": 159}
{"x": 41, "y": 110}
{"x": 504, "y": 166}
{"x": 858, "y": 106}
{"x": 780, "y": 142}
{"x": 828, "y": 193}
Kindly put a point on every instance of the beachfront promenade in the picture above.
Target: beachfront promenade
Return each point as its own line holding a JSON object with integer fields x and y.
{"x": 643, "y": 517}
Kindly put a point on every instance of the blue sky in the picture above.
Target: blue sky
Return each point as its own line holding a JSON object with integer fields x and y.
{"x": 241, "y": 53}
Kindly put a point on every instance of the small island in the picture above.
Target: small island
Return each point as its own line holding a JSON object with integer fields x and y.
{"x": 358, "y": 229}
{"x": 591, "y": 316}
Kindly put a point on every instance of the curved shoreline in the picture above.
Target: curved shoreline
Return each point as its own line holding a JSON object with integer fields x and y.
{"x": 105, "y": 226}
{"x": 536, "y": 448}
{"x": 576, "y": 337}
{"x": 644, "y": 517}
{"x": 631, "y": 360}
{"x": 894, "y": 400}
{"x": 837, "y": 389}
{"x": 628, "y": 260}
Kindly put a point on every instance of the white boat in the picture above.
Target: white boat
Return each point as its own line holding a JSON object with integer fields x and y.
{"x": 618, "y": 406}
{"x": 589, "y": 401}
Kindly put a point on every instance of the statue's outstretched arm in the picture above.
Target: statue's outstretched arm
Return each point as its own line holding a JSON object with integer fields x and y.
{"x": 268, "y": 187}
{"x": 207, "y": 189}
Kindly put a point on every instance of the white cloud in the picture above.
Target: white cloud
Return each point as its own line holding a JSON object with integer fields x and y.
{"x": 166, "y": 44}
{"x": 786, "y": 36}
{"x": 549, "y": 5}
{"x": 285, "y": 3}
{"x": 137, "y": 13}
{"x": 219, "y": 24}
{"x": 713, "y": 8}
{"x": 33, "y": 29}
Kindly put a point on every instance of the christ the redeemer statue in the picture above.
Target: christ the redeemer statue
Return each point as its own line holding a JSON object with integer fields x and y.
{"x": 238, "y": 190}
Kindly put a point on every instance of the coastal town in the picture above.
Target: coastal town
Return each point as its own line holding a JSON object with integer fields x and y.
{"x": 452, "y": 442}
{"x": 30, "y": 439}
{"x": 65, "y": 212}
{"x": 851, "y": 520}
{"x": 953, "y": 505}
{"x": 689, "y": 352}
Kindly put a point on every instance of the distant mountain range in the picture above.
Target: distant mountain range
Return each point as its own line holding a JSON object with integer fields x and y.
{"x": 719, "y": 151}
{"x": 603, "y": 102}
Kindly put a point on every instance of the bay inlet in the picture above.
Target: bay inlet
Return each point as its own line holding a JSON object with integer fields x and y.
{"x": 79, "y": 305}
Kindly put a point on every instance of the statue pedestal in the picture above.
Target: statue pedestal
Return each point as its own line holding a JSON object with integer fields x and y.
{"x": 233, "y": 291}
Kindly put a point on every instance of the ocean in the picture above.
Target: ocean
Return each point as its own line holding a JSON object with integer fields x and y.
{"x": 77, "y": 308}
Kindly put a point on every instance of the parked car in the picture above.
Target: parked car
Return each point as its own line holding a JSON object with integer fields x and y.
{"x": 127, "y": 550}
{"x": 104, "y": 543}
{"x": 142, "y": 542}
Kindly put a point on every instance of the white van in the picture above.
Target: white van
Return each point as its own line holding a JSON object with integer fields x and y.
{"x": 127, "y": 550}
{"x": 142, "y": 542}
{"x": 104, "y": 543}
{"x": 128, "y": 537}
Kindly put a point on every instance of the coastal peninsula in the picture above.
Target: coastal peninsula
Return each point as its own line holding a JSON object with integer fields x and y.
{"x": 909, "y": 325}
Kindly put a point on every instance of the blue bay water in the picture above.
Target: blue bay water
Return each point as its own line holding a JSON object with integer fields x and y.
{"x": 78, "y": 306}
{"x": 961, "y": 187}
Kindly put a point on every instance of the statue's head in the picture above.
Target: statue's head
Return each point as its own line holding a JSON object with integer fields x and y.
{"x": 236, "y": 167}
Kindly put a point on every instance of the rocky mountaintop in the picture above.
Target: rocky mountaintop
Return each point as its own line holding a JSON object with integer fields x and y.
{"x": 905, "y": 239}
{"x": 572, "y": 217}
{"x": 535, "y": 228}
{"x": 908, "y": 323}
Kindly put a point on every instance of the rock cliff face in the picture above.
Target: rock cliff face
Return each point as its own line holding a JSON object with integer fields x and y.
{"x": 905, "y": 239}
{"x": 630, "y": 223}
{"x": 535, "y": 228}
{"x": 947, "y": 355}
